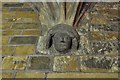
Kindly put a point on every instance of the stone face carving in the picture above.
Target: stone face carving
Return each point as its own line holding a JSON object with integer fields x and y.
{"x": 63, "y": 38}
{"x": 62, "y": 42}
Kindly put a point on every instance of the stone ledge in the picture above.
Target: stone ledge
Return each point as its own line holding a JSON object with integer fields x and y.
{"x": 8, "y": 74}
{"x": 82, "y": 75}
{"x": 30, "y": 75}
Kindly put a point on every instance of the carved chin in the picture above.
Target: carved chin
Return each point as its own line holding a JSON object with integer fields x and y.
{"x": 61, "y": 48}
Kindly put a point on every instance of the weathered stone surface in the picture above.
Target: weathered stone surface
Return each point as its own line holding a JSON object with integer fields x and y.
{"x": 104, "y": 18}
{"x": 12, "y": 4}
{"x": 81, "y": 75}
{"x": 32, "y": 32}
{"x": 23, "y": 40}
{"x": 7, "y": 32}
{"x": 5, "y": 40}
{"x": 20, "y": 63}
{"x": 110, "y": 21}
{"x": 6, "y": 25}
{"x": 8, "y": 20}
{"x": 8, "y": 75}
{"x": 109, "y": 5}
{"x": 17, "y": 32}
{"x": 10, "y": 32}
{"x": 5, "y": 9}
{"x": 109, "y": 12}
{"x": 20, "y": 14}
{"x": 41, "y": 46}
{"x": 25, "y": 50}
{"x": 1, "y": 51}
{"x": 28, "y": 20}
{"x": 85, "y": 47}
{"x": 107, "y": 9}
{"x": 112, "y": 36}
{"x": 99, "y": 20}
{"x": 105, "y": 48}
{"x": 8, "y": 50}
{"x": 8, "y": 63}
{"x": 0, "y": 26}
{"x": 20, "y": 20}
{"x": 40, "y": 63}
{"x": 98, "y": 64}
{"x": 26, "y": 26}
{"x": 30, "y": 75}
{"x": 108, "y": 27}
{"x": 14, "y": 62}
{"x": 21, "y": 9}
{"x": 97, "y": 36}
{"x": 26, "y": 5}
{"x": 65, "y": 63}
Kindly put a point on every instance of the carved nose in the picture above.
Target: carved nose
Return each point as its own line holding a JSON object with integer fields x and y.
{"x": 62, "y": 40}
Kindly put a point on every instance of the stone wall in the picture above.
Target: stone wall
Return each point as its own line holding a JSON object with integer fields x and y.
{"x": 98, "y": 56}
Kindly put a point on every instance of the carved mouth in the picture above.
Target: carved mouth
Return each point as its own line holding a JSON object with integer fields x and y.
{"x": 62, "y": 41}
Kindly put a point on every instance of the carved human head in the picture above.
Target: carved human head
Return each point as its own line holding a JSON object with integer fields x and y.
{"x": 63, "y": 38}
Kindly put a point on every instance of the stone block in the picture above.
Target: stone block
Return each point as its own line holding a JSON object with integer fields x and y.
{"x": 31, "y": 75}
{"x": 7, "y": 32}
{"x": 7, "y": 50}
{"x": 40, "y": 63}
{"x": 5, "y": 40}
{"x": 12, "y": 4}
{"x": 26, "y": 26}
{"x": 6, "y": 25}
{"x": 24, "y": 50}
{"x": 17, "y": 32}
{"x": 8, "y": 75}
{"x": 14, "y": 63}
{"x": 19, "y": 14}
{"x": 98, "y": 64}
{"x": 21, "y": 9}
{"x": 26, "y": 5}
{"x": 10, "y": 32}
{"x": 65, "y": 63}
{"x": 23, "y": 40}
{"x": 99, "y": 20}
{"x": 20, "y": 20}
{"x": 105, "y": 48}
{"x": 8, "y": 63}
{"x": 112, "y": 36}
{"x": 32, "y": 32}
{"x": 97, "y": 36}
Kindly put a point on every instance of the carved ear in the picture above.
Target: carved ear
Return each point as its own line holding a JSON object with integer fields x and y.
{"x": 49, "y": 41}
{"x": 75, "y": 43}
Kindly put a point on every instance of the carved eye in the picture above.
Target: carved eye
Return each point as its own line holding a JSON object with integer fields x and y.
{"x": 67, "y": 38}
